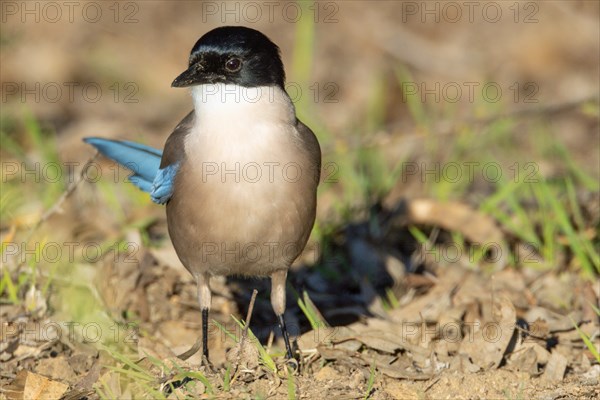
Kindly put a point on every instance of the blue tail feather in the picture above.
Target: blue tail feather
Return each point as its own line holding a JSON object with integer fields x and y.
{"x": 143, "y": 160}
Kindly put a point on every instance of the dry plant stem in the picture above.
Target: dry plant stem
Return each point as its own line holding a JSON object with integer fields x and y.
{"x": 249, "y": 315}
{"x": 245, "y": 333}
{"x": 193, "y": 350}
{"x": 56, "y": 207}
{"x": 270, "y": 340}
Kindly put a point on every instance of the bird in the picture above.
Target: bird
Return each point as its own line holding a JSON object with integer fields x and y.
{"x": 238, "y": 175}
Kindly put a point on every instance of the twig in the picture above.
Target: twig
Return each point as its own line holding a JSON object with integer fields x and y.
{"x": 56, "y": 207}
{"x": 193, "y": 350}
{"x": 244, "y": 335}
{"x": 247, "y": 324}
{"x": 430, "y": 385}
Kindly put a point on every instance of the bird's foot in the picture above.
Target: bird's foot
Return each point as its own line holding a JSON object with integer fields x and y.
{"x": 293, "y": 365}
{"x": 208, "y": 366}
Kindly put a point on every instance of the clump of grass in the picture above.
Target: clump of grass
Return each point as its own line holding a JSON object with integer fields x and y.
{"x": 549, "y": 236}
{"x": 311, "y": 312}
{"x": 227, "y": 379}
{"x": 152, "y": 378}
{"x": 370, "y": 384}
{"x": 587, "y": 340}
{"x": 22, "y": 273}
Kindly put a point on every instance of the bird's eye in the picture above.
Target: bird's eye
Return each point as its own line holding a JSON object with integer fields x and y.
{"x": 233, "y": 64}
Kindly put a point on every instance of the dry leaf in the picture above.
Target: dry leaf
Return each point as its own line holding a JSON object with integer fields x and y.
{"x": 459, "y": 217}
{"x": 489, "y": 341}
{"x": 524, "y": 361}
{"x": 556, "y": 367}
{"x": 30, "y": 386}
{"x": 57, "y": 368}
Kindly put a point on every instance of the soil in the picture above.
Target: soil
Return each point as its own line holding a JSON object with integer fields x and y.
{"x": 399, "y": 319}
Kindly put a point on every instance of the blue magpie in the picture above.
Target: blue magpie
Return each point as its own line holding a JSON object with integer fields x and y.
{"x": 239, "y": 173}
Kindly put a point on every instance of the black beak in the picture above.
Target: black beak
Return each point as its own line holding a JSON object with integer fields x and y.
{"x": 189, "y": 77}
{"x": 195, "y": 75}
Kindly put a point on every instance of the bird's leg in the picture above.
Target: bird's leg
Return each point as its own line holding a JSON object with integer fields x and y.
{"x": 278, "y": 303}
{"x": 204, "y": 298}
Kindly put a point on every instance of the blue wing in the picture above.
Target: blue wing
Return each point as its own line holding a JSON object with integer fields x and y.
{"x": 163, "y": 184}
{"x": 144, "y": 161}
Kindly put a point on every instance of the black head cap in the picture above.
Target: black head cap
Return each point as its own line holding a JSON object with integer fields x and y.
{"x": 233, "y": 54}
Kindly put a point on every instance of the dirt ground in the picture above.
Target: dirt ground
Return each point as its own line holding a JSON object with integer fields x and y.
{"x": 398, "y": 317}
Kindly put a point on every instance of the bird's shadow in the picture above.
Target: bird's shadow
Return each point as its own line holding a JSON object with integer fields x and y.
{"x": 355, "y": 267}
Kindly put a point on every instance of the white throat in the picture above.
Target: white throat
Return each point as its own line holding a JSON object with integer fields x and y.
{"x": 235, "y": 122}
{"x": 231, "y": 101}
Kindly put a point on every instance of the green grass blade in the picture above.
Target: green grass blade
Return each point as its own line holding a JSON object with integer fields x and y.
{"x": 370, "y": 383}
{"x": 291, "y": 385}
{"x": 227, "y": 379}
{"x": 588, "y": 342}
{"x": 225, "y": 331}
{"x": 198, "y": 376}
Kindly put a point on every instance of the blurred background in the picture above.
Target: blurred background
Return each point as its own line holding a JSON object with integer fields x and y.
{"x": 401, "y": 78}
{"x": 491, "y": 106}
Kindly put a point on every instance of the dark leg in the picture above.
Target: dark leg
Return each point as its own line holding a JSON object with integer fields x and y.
{"x": 205, "y": 332}
{"x": 286, "y": 337}
{"x": 278, "y": 303}
{"x": 204, "y": 298}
